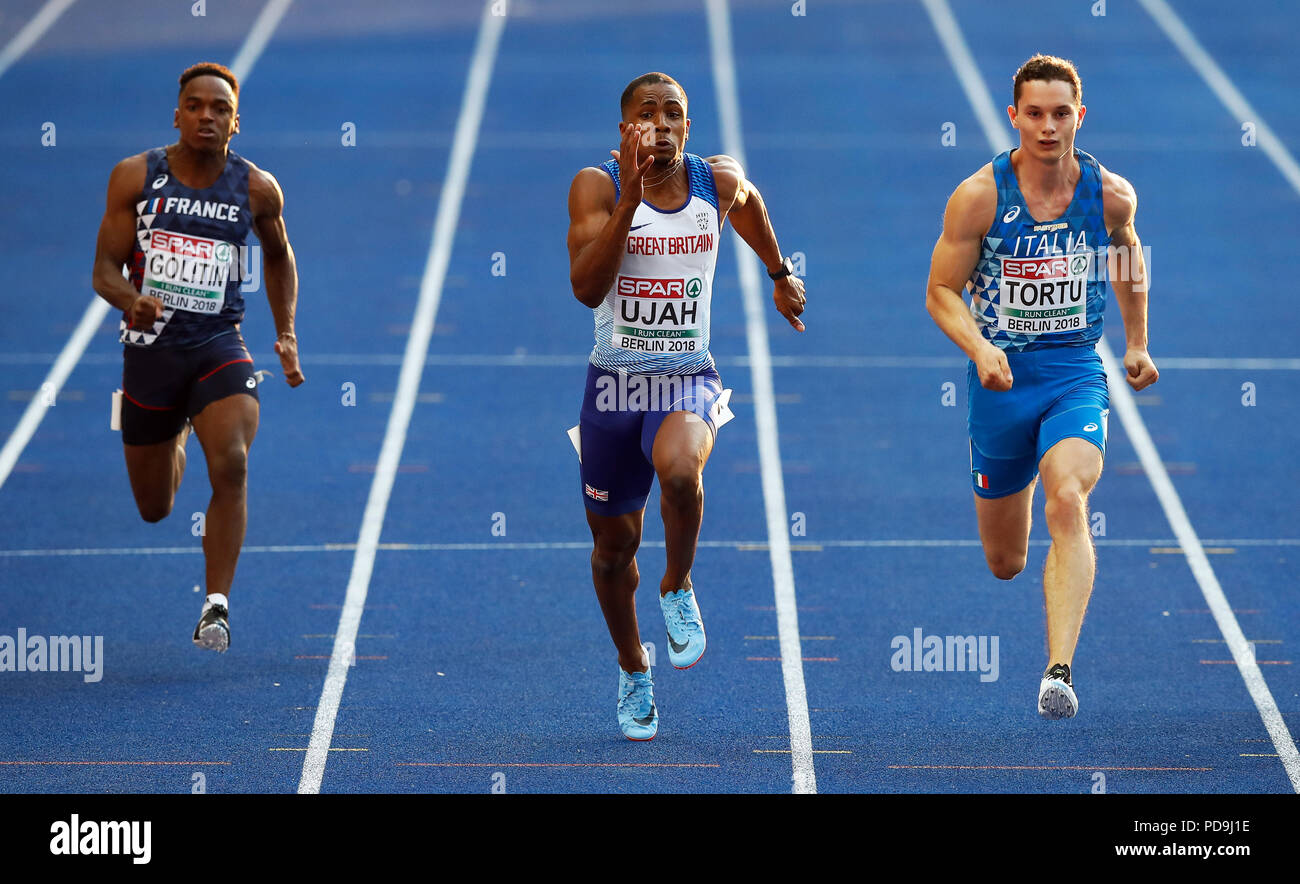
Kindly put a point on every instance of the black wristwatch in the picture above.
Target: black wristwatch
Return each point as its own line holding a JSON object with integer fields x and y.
{"x": 787, "y": 269}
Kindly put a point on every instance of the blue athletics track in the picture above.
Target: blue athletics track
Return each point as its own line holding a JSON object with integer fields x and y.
{"x": 413, "y": 609}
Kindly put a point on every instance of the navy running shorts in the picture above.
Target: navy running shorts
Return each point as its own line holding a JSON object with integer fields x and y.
{"x": 621, "y": 414}
{"x": 162, "y": 388}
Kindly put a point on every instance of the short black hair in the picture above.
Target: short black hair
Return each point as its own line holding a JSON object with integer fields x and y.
{"x": 210, "y": 68}
{"x": 652, "y": 77}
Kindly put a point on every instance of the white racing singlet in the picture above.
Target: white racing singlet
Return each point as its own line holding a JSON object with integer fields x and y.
{"x": 655, "y": 318}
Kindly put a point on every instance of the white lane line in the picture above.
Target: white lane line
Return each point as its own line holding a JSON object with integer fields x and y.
{"x": 408, "y": 385}
{"x": 804, "y": 778}
{"x": 67, "y": 360}
{"x": 1122, "y": 401}
{"x": 98, "y": 309}
{"x": 31, "y": 32}
{"x": 472, "y": 546}
{"x": 548, "y": 360}
{"x": 42, "y": 402}
{"x": 263, "y": 26}
{"x": 1223, "y": 87}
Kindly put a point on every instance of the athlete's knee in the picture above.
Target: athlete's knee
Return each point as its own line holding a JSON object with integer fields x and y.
{"x": 1066, "y": 505}
{"x": 154, "y": 509}
{"x": 228, "y": 468}
{"x": 1005, "y": 565}
{"x": 680, "y": 483}
{"x": 613, "y": 552}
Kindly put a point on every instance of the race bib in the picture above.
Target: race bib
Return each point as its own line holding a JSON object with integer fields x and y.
{"x": 1044, "y": 296}
{"x": 653, "y": 315}
{"x": 187, "y": 272}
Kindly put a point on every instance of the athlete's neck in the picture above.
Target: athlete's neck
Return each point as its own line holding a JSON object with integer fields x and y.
{"x": 1045, "y": 178}
{"x": 666, "y": 187}
{"x": 195, "y": 168}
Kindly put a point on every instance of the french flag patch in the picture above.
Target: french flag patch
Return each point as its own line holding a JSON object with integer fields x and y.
{"x": 594, "y": 494}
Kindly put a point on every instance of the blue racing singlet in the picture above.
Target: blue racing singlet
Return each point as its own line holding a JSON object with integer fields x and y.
{"x": 188, "y": 252}
{"x": 1042, "y": 284}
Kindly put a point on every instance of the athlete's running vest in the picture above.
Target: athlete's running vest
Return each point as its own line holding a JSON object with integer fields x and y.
{"x": 655, "y": 317}
{"x": 187, "y": 253}
{"x": 1042, "y": 285}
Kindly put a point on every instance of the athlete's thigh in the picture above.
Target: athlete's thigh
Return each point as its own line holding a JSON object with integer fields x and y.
{"x": 1073, "y": 460}
{"x": 680, "y": 438}
{"x": 151, "y": 469}
{"x": 683, "y": 440}
{"x": 227, "y": 424}
{"x": 1072, "y": 437}
{"x": 154, "y": 384}
{"x": 223, "y": 403}
{"x": 1004, "y": 524}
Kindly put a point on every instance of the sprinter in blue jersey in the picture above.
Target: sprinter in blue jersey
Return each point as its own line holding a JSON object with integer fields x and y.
{"x": 178, "y": 218}
{"x": 1036, "y": 234}
{"x": 644, "y": 231}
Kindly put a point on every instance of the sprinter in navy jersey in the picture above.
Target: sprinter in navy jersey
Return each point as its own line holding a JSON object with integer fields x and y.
{"x": 1037, "y": 234}
{"x": 178, "y": 218}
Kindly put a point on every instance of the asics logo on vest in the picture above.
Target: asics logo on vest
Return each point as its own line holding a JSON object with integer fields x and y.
{"x": 159, "y": 181}
{"x": 1011, "y": 215}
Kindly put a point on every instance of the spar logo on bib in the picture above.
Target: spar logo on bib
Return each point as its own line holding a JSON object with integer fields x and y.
{"x": 1046, "y": 295}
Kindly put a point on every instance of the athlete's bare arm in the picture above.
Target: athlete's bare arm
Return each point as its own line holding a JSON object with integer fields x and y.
{"x": 266, "y": 201}
{"x": 598, "y": 224}
{"x": 968, "y": 217}
{"x": 740, "y": 199}
{"x": 1128, "y": 277}
{"x": 117, "y": 234}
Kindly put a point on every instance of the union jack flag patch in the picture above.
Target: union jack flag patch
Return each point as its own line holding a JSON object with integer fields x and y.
{"x": 594, "y": 494}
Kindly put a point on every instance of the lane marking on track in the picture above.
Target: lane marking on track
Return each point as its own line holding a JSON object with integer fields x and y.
{"x": 554, "y": 764}
{"x": 803, "y": 775}
{"x": 31, "y": 33}
{"x": 417, "y": 348}
{"x": 1161, "y": 545}
{"x": 542, "y": 360}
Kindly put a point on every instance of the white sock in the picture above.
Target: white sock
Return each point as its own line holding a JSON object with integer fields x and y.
{"x": 216, "y": 598}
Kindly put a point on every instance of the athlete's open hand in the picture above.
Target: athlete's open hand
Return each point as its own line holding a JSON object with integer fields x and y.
{"x": 1140, "y": 369}
{"x": 994, "y": 372}
{"x": 631, "y": 169}
{"x": 286, "y": 347}
{"x": 790, "y": 300}
{"x": 145, "y": 311}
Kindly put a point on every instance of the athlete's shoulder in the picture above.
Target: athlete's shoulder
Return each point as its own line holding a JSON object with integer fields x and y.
{"x": 1119, "y": 198}
{"x": 134, "y": 166}
{"x": 728, "y": 175}
{"x": 126, "y": 181}
{"x": 593, "y": 185}
{"x": 264, "y": 193}
{"x": 973, "y": 204}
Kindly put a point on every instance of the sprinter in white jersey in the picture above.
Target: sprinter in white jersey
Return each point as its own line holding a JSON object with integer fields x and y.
{"x": 644, "y": 231}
